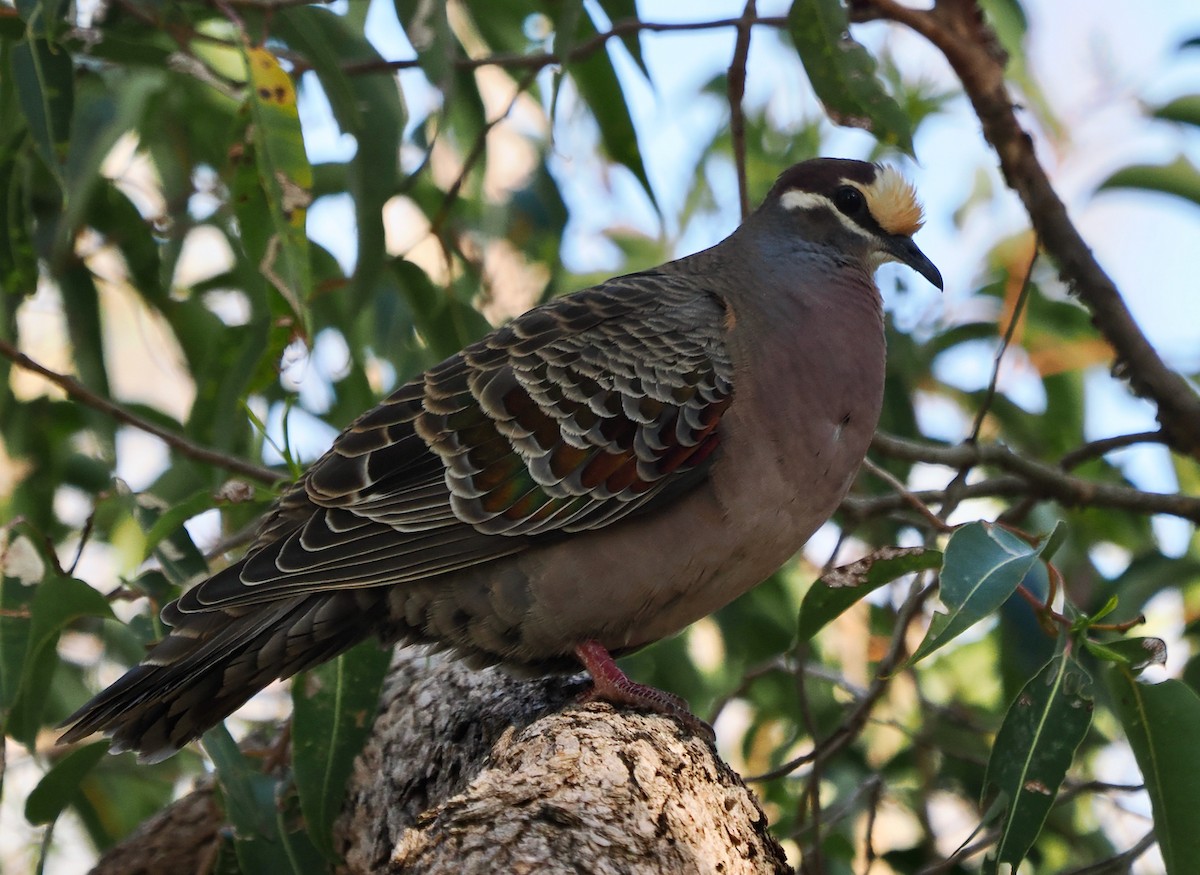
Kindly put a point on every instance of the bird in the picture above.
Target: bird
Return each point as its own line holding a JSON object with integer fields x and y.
{"x": 591, "y": 477}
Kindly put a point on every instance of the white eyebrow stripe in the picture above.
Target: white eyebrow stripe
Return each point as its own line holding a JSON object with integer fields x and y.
{"x": 807, "y": 200}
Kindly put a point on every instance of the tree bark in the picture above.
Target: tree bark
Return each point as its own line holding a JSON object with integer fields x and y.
{"x": 472, "y": 771}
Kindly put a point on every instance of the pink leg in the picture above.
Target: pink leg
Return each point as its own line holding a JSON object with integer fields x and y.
{"x": 609, "y": 684}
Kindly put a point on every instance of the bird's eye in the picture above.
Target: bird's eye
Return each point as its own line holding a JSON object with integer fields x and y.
{"x": 849, "y": 200}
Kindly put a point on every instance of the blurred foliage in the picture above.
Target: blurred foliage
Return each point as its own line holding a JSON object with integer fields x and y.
{"x": 158, "y": 186}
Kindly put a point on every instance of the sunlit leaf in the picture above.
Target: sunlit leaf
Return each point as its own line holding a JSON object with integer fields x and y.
{"x": 285, "y": 175}
{"x": 327, "y": 41}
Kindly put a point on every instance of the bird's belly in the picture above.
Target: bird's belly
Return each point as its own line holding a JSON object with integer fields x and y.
{"x": 627, "y": 585}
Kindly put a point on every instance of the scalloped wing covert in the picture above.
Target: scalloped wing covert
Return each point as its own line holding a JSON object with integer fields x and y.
{"x": 576, "y": 414}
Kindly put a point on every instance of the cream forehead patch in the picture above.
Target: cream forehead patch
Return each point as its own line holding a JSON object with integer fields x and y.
{"x": 893, "y": 202}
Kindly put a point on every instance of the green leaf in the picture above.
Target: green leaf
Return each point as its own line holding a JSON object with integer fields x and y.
{"x": 982, "y": 567}
{"x": 262, "y": 839}
{"x": 842, "y": 587}
{"x": 105, "y": 108}
{"x": 15, "y": 601}
{"x": 842, "y": 73}
{"x": 600, "y": 89}
{"x": 1180, "y": 178}
{"x": 173, "y": 547}
{"x": 59, "y": 787}
{"x": 1134, "y": 654}
{"x": 334, "y": 707}
{"x": 327, "y": 41}
{"x": 173, "y": 518}
{"x": 58, "y": 602}
{"x": 249, "y": 795}
{"x": 1033, "y": 750}
{"x": 1162, "y": 722}
{"x": 285, "y": 176}
{"x": 446, "y": 324}
{"x": 626, "y": 10}
{"x": 45, "y": 80}
{"x": 1184, "y": 109}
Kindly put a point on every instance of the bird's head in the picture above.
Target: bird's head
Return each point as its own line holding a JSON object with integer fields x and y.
{"x": 868, "y": 210}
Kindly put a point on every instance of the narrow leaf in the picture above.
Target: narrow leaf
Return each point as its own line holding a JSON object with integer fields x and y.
{"x": 1162, "y": 722}
{"x": 16, "y": 599}
{"x": 285, "y": 175}
{"x": 45, "y": 77}
{"x": 58, "y": 602}
{"x": 1184, "y": 109}
{"x": 249, "y": 795}
{"x": 842, "y": 73}
{"x": 836, "y": 591}
{"x": 327, "y": 41}
{"x": 263, "y": 838}
{"x": 1135, "y": 654}
{"x": 60, "y": 786}
{"x": 600, "y": 89}
{"x": 982, "y": 567}
{"x": 334, "y": 707}
{"x": 1180, "y": 178}
{"x": 1033, "y": 750}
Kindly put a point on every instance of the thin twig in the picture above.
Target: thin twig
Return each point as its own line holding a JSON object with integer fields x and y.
{"x": 915, "y": 503}
{"x": 78, "y": 392}
{"x": 851, "y": 725}
{"x": 1029, "y": 477}
{"x": 737, "y": 91}
{"x": 581, "y": 50}
{"x": 477, "y": 149}
{"x": 1018, "y": 309}
{"x": 1104, "y": 446}
{"x": 1121, "y": 863}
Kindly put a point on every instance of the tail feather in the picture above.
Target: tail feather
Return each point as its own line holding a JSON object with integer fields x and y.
{"x": 212, "y": 662}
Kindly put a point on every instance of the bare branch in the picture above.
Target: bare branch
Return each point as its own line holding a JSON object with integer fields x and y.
{"x": 1102, "y": 447}
{"x": 1028, "y": 477}
{"x": 580, "y": 50}
{"x": 737, "y": 117}
{"x": 1018, "y": 309}
{"x": 78, "y": 392}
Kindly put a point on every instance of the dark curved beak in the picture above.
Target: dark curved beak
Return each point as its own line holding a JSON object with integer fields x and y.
{"x": 906, "y": 252}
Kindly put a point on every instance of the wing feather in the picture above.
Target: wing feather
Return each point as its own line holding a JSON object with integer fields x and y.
{"x": 576, "y": 414}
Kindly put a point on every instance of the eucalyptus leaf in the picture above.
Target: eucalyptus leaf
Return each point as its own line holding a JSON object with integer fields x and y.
{"x": 983, "y": 565}
{"x": 843, "y": 73}
{"x": 1033, "y": 750}
{"x": 1162, "y": 722}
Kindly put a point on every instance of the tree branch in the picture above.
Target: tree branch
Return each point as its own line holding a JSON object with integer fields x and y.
{"x": 1026, "y": 477}
{"x": 957, "y": 29}
{"x": 580, "y": 50}
{"x": 736, "y": 79}
{"x": 78, "y": 392}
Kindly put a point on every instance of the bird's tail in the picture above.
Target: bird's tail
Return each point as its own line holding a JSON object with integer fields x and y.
{"x": 211, "y": 662}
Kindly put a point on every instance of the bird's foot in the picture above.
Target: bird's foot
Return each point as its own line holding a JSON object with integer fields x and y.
{"x": 610, "y": 684}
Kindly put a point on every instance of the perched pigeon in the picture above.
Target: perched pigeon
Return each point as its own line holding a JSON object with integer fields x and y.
{"x": 594, "y": 476}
